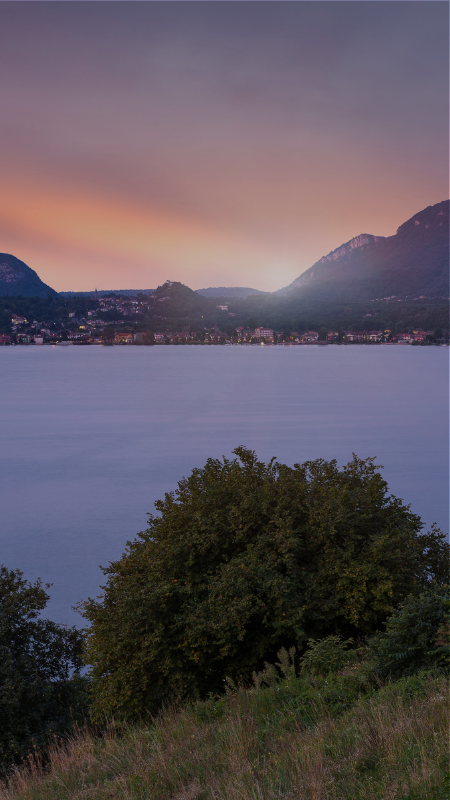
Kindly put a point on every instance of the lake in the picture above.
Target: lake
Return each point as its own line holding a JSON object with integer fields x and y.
{"x": 92, "y": 436}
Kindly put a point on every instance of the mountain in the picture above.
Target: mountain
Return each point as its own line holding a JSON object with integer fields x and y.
{"x": 412, "y": 262}
{"x": 18, "y": 279}
{"x": 175, "y": 300}
{"x": 228, "y": 291}
{"x": 102, "y": 292}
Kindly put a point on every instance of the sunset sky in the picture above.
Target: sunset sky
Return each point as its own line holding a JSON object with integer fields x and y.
{"x": 214, "y": 143}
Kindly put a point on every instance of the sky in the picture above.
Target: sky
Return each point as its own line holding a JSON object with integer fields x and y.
{"x": 214, "y": 143}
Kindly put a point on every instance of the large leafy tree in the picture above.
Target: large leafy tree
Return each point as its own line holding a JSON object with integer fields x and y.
{"x": 243, "y": 558}
{"x": 39, "y": 695}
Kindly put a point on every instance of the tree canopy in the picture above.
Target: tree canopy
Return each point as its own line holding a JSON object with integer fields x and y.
{"x": 38, "y": 698}
{"x": 243, "y": 558}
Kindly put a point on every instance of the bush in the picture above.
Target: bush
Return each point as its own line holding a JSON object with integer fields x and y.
{"x": 327, "y": 655}
{"x": 246, "y": 558}
{"x": 416, "y": 637}
{"x": 38, "y": 698}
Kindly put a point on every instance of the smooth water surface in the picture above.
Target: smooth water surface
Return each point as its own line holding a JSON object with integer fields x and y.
{"x": 90, "y": 437}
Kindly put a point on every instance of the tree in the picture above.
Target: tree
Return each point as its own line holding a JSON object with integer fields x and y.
{"x": 323, "y": 333}
{"x": 416, "y": 636}
{"x": 39, "y": 696}
{"x": 108, "y": 335}
{"x": 244, "y": 558}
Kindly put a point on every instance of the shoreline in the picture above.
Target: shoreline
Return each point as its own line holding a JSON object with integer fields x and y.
{"x": 226, "y": 344}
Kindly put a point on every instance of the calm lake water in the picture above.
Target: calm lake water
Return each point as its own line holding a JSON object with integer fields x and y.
{"x": 90, "y": 437}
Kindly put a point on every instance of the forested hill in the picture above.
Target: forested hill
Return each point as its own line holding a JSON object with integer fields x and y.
{"x": 413, "y": 262}
{"x": 17, "y": 279}
{"x": 228, "y": 291}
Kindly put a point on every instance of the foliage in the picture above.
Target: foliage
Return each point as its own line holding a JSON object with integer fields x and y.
{"x": 304, "y": 309}
{"x": 245, "y": 558}
{"x": 38, "y": 697}
{"x": 50, "y": 310}
{"x": 294, "y": 739}
{"x": 177, "y": 307}
{"x": 108, "y": 335}
{"x": 327, "y": 655}
{"x": 416, "y": 636}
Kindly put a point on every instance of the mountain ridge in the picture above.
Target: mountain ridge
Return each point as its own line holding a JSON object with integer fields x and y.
{"x": 18, "y": 279}
{"x": 229, "y": 291}
{"x": 413, "y": 260}
{"x": 103, "y": 292}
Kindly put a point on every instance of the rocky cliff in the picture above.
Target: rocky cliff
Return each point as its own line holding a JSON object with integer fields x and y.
{"x": 415, "y": 261}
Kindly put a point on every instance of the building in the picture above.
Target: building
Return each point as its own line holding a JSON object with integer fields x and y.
{"x": 421, "y": 336}
{"x": 309, "y": 336}
{"x": 124, "y": 338}
{"x": 263, "y": 333}
{"x": 5, "y": 338}
{"x": 363, "y": 336}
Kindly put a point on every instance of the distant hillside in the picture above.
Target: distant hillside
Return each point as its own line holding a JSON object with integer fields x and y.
{"x": 413, "y": 262}
{"x": 175, "y": 300}
{"x": 228, "y": 291}
{"x": 17, "y": 279}
{"x": 102, "y": 292}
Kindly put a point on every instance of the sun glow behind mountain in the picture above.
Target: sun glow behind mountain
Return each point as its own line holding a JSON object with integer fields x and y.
{"x": 215, "y": 143}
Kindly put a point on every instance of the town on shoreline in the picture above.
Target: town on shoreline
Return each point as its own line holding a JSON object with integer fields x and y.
{"x": 175, "y": 314}
{"x": 259, "y": 336}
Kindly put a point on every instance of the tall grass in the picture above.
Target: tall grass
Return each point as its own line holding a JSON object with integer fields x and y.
{"x": 308, "y": 739}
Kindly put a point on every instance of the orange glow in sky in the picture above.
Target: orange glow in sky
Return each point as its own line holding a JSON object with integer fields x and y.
{"x": 219, "y": 144}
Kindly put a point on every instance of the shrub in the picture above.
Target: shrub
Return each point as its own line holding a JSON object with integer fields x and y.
{"x": 416, "y": 636}
{"x": 327, "y": 655}
{"x": 245, "y": 558}
{"x": 38, "y": 699}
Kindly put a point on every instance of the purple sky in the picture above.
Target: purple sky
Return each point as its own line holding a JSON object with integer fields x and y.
{"x": 216, "y": 143}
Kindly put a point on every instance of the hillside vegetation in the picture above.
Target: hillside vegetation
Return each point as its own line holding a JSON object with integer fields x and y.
{"x": 242, "y": 559}
{"x": 307, "y": 738}
{"x": 396, "y": 283}
{"x": 277, "y": 632}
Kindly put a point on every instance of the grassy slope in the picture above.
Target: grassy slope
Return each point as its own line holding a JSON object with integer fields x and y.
{"x": 313, "y": 739}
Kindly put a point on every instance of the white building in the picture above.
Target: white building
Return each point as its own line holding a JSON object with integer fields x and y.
{"x": 264, "y": 333}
